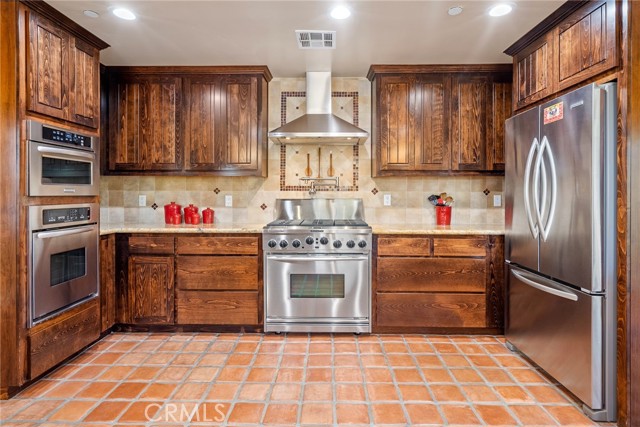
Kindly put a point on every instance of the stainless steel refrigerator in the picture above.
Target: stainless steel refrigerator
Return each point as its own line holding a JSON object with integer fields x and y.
{"x": 560, "y": 217}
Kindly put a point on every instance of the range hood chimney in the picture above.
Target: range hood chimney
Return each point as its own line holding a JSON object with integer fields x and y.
{"x": 319, "y": 126}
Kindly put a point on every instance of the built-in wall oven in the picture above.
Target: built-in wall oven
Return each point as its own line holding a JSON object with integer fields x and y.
{"x": 61, "y": 162}
{"x": 63, "y": 251}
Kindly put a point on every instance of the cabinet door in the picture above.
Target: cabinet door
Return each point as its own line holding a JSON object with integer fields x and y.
{"x": 430, "y": 130}
{"x": 145, "y": 123}
{"x": 587, "y": 43}
{"x": 47, "y": 68}
{"x": 469, "y": 99}
{"x": 204, "y": 149}
{"x": 394, "y": 144}
{"x": 107, "y": 281}
{"x": 151, "y": 289}
{"x": 84, "y": 85}
{"x": 501, "y": 110}
{"x": 534, "y": 69}
{"x": 239, "y": 130}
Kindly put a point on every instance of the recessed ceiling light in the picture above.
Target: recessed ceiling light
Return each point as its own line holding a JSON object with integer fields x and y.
{"x": 340, "y": 12}
{"x": 91, "y": 13}
{"x": 500, "y": 9}
{"x": 124, "y": 14}
{"x": 455, "y": 10}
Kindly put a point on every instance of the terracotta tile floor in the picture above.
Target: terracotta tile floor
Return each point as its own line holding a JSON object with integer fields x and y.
{"x": 135, "y": 379}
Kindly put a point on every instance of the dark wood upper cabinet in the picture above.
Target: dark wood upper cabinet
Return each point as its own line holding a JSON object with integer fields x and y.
{"x": 573, "y": 45}
{"x": 587, "y": 43}
{"x": 188, "y": 120}
{"x": 145, "y": 118}
{"x": 469, "y": 102}
{"x": 63, "y": 71}
{"x": 223, "y": 133}
{"x": 47, "y": 68}
{"x": 439, "y": 119}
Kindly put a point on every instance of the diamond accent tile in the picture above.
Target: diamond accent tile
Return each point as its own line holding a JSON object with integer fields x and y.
{"x": 263, "y": 206}
{"x": 374, "y": 191}
{"x": 486, "y": 191}
{"x": 154, "y": 206}
{"x": 216, "y": 190}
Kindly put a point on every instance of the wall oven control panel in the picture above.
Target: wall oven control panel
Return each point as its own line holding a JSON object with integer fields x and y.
{"x": 66, "y": 215}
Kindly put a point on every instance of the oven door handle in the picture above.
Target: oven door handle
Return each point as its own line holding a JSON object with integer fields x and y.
{"x": 60, "y": 233}
{"x": 64, "y": 152}
{"x": 307, "y": 258}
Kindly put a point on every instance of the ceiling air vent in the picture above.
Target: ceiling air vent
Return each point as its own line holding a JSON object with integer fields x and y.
{"x": 316, "y": 39}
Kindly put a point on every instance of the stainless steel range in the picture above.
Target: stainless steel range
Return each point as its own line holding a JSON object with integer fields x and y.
{"x": 317, "y": 267}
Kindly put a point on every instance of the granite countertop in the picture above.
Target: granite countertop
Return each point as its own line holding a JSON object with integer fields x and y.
{"x": 459, "y": 229}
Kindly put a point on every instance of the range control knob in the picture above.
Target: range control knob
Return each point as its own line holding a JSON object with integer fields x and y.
{"x": 295, "y": 243}
{"x": 309, "y": 240}
{"x": 271, "y": 243}
{"x": 351, "y": 243}
{"x": 362, "y": 243}
{"x": 283, "y": 244}
{"x": 337, "y": 244}
{"x": 324, "y": 240}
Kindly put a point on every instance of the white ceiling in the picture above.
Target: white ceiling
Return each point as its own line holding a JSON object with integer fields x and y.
{"x": 214, "y": 32}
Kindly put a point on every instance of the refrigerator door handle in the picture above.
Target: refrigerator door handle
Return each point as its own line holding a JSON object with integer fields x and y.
{"x": 546, "y": 285}
{"x": 533, "y": 227}
{"x": 545, "y": 149}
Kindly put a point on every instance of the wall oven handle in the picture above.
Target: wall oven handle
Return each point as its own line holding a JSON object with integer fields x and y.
{"x": 307, "y": 258}
{"x": 68, "y": 232}
{"x": 62, "y": 151}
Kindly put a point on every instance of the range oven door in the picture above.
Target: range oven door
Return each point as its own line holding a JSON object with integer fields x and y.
{"x": 64, "y": 269}
{"x": 60, "y": 171}
{"x": 314, "y": 289}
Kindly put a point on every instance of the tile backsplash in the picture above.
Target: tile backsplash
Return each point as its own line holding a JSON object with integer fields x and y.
{"x": 253, "y": 198}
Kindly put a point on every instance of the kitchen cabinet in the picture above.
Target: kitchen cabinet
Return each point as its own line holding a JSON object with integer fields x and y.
{"x": 62, "y": 73}
{"x": 435, "y": 283}
{"x": 58, "y": 338}
{"x": 218, "y": 280}
{"x": 434, "y": 119}
{"x": 224, "y": 129}
{"x": 150, "y": 280}
{"x": 145, "y": 117}
{"x": 107, "y": 282}
{"x": 188, "y": 120}
{"x": 581, "y": 46}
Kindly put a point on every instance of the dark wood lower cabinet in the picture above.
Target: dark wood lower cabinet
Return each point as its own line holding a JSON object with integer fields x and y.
{"x": 216, "y": 308}
{"x": 151, "y": 283}
{"x": 52, "y": 341}
{"x": 438, "y": 284}
{"x": 107, "y": 281}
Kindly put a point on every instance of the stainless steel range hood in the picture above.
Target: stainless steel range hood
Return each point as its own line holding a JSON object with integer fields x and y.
{"x": 319, "y": 126}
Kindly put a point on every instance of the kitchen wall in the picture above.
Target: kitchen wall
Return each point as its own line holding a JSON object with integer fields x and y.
{"x": 253, "y": 198}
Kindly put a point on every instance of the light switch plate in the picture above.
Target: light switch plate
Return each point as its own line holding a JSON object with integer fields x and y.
{"x": 228, "y": 201}
{"x": 387, "y": 199}
{"x": 142, "y": 200}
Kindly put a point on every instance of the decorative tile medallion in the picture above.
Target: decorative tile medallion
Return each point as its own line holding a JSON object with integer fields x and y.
{"x": 486, "y": 191}
{"x": 216, "y": 190}
{"x": 346, "y": 101}
{"x": 263, "y": 206}
{"x": 374, "y": 191}
{"x": 154, "y": 206}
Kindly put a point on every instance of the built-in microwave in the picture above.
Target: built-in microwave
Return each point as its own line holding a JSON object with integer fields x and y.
{"x": 61, "y": 162}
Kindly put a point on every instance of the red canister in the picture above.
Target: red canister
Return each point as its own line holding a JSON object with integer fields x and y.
{"x": 170, "y": 210}
{"x": 195, "y": 218}
{"x": 190, "y": 209}
{"x": 176, "y": 219}
{"x": 207, "y": 216}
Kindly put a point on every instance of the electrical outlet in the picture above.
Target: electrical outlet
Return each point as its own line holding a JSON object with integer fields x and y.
{"x": 142, "y": 200}
{"x": 228, "y": 201}
{"x": 387, "y": 199}
{"x": 497, "y": 200}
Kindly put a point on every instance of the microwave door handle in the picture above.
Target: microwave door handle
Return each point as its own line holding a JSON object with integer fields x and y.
{"x": 62, "y": 151}
{"x": 60, "y": 233}
{"x": 546, "y": 286}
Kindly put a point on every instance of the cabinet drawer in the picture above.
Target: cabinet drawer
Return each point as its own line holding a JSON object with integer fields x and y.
{"x": 431, "y": 275}
{"x": 53, "y": 341}
{"x": 431, "y": 310}
{"x": 218, "y": 273}
{"x": 216, "y": 308}
{"x": 404, "y": 246}
{"x": 151, "y": 245}
{"x": 217, "y": 245}
{"x": 471, "y": 247}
